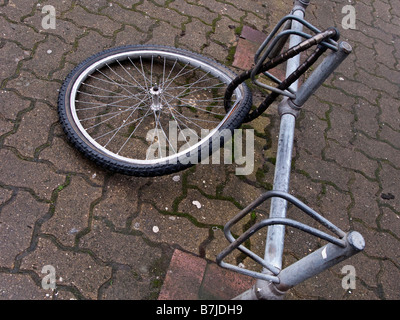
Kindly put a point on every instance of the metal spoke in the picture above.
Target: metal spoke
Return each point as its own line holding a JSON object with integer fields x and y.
{"x": 131, "y": 135}
{"x": 177, "y": 76}
{"x": 124, "y": 125}
{"x": 114, "y": 82}
{"x": 141, "y": 87}
{"x": 182, "y": 92}
{"x": 100, "y": 105}
{"x": 97, "y": 124}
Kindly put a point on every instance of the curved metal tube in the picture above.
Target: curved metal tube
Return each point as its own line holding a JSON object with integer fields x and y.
{"x": 237, "y": 243}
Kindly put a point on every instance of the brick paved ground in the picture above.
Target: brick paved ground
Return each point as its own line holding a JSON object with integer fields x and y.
{"x": 96, "y": 228}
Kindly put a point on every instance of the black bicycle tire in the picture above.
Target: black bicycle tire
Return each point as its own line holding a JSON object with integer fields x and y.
{"x": 79, "y": 142}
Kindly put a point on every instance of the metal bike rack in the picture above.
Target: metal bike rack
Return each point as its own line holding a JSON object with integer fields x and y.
{"x": 273, "y": 281}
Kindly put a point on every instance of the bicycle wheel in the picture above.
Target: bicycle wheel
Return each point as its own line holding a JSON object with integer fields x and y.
{"x": 143, "y": 110}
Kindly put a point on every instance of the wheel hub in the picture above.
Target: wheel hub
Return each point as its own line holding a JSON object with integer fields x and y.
{"x": 156, "y": 101}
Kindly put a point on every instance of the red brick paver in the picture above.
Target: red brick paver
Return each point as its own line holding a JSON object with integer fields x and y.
{"x": 191, "y": 278}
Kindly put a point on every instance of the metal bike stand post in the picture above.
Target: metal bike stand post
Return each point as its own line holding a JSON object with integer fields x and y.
{"x": 330, "y": 254}
{"x": 276, "y": 233}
